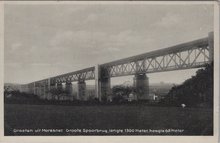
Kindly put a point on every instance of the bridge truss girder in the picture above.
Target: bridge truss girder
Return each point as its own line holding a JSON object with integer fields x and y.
{"x": 188, "y": 55}
{"x": 82, "y": 75}
{"x": 194, "y": 57}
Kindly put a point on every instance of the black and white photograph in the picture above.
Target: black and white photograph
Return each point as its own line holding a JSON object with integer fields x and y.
{"x": 110, "y": 69}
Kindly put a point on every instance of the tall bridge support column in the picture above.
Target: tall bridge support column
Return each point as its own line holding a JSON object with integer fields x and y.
{"x": 29, "y": 89}
{"x": 59, "y": 86}
{"x": 81, "y": 95}
{"x": 102, "y": 83}
{"x": 97, "y": 83}
{"x": 105, "y": 84}
{"x": 37, "y": 90}
{"x": 43, "y": 91}
{"x": 69, "y": 88}
{"x": 51, "y": 87}
{"x": 34, "y": 89}
{"x": 141, "y": 84}
{"x": 211, "y": 46}
{"x": 49, "y": 90}
{"x": 48, "y": 87}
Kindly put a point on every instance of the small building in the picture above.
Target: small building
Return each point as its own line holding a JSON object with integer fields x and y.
{"x": 153, "y": 97}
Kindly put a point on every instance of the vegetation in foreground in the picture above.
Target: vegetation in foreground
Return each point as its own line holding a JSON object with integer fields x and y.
{"x": 193, "y": 121}
{"x": 22, "y": 111}
{"x": 194, "y": 92}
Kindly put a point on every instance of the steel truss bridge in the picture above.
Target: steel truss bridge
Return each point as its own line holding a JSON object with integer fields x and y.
{"x": 193, "y": 54}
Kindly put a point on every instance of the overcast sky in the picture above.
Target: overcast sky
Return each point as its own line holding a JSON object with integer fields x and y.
{"x": 46, "y": 40}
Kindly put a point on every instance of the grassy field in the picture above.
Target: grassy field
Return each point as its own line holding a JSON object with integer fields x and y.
{"x": 192, "y": 121}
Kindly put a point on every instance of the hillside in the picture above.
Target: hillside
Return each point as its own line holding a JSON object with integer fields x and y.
{"x": 196, "y": 91}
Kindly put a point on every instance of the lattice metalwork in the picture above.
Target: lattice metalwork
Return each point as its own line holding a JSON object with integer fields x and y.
{"x": 192, "y": 54}
{"x": 85, "y": 74}
{"x": 189, "y": 55}
{"x": 43, "y": 86}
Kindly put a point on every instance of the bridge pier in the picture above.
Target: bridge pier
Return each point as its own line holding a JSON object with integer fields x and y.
{"x": 37, "y": 90}
{"x": 211, "y": 46}
{"x": 81, "y": 95}
{"x": 97, "y": 83}
{"x": 49, "y": 90}
{"x": 141, "y": 84}
{"x": 69, "y": 88}
{"x": 51, "y": 87}
{"x": 105, "y": 84}
{"x": 59, "y": 86}
{"x": 32, "y": 88}
{"x": 44, "y": 86}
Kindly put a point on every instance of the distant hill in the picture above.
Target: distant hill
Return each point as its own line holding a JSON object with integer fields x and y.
{"x": 160, "y": 88}
{"x": 162, "y": 85}
{"x": 13, "y": 86}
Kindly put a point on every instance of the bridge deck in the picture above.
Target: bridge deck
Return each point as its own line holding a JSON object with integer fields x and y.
{"x": 192, "y": 54}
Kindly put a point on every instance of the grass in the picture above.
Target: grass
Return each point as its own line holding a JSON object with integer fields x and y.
{"x": 194, "y": 121}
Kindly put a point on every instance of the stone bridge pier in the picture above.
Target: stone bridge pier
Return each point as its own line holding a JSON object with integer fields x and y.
{"x": 103, "y": 83}
{"x": 81, "y": 94}
{"x": 59, "y": 86}
{"x": 69, "y": 88}
{"x": 141, "y": 84}
{"x": 35, "y": 89}
{"x": 42, "y": 90}
{"x": 32, "y": 88}
{"x": 103, "y": 86}
{"x": 51, "y": 87}
{"x": 39, "y": 91}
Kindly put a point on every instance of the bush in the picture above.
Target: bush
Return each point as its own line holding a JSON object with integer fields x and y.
{"x": 194, "y": 91}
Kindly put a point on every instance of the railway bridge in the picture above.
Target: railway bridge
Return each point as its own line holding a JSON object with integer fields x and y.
{"x": 193, "y": 54}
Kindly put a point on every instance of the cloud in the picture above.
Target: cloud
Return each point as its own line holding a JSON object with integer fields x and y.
{"x": 81, "y": 41}
{"x": 91, "y": 18}
{"x": 15, "y": 46}
{"x": 52, "y": 39}
{"x": 169, "y": 20}
{"x": 40, "y": 64}
{"x": 113, "y": 49}
{"x": 73, "y": 39}
{"x": 12, "y": 65}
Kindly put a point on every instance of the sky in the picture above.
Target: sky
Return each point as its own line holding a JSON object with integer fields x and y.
{"x": 42, "y": 41}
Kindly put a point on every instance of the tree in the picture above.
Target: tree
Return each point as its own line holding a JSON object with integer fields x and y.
{"x": 120, "y": 92}
{"x": 57, "y": 92}
{"x": 194, "y": 91}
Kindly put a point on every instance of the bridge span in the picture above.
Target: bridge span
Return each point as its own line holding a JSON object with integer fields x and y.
{"x": 193, "y": 54}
